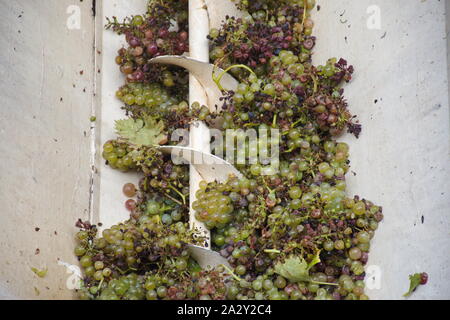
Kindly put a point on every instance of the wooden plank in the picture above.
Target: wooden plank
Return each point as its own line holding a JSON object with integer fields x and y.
{"x": 111, "y": 209}
{"x": 46, "y": 83}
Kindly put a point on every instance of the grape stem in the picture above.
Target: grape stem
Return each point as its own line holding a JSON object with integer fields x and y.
{"x": 296, "y": 123}
{"x": 219, "y": 78}
{"x": 251, "y": 125}
{"x": 305, "y": 4}
{"x": 270, "y": 190}
{"x": 167, "y": 208}
{"x": 183, "y": 197}
{"x": 272, "y": 251}
{"x": 289, "y": 150}
{"x": 173, "y": 199}
{"x": 324, "y": 283}
{"x": 314, "y": 79}
{"x": 100, "y": 284}
{"x": 231, "y": 273}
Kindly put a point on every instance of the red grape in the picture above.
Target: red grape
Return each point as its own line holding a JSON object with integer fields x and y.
{"x": 130, "y": 205}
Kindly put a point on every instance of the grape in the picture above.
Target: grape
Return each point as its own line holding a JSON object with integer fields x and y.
{"x": 80, "y": 251}
{"x": 130, "y": 205}
{"x": 129, "y": 190}
{"x": 355, "y": 253}
{"x": 280, "y": 282}
{"x": 86, "y": 261}
{"x": 295, "y": 192}
{"x": 99, "y": 265}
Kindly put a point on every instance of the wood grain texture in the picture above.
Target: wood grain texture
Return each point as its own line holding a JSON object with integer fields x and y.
{"x": 47, "y": 91}
{"x": 400, "y": 161}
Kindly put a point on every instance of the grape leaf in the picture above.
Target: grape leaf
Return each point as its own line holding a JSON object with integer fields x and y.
{"x": 296, "y": 268}
{"x": 140, "y": 132}
{"x": 315, "y": 260}
{"x": 414, "y": 282}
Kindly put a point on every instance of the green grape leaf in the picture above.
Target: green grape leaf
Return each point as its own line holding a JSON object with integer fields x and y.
{"x": 414, "y": 282}
{"x": 296, "y": 268}
{"x": 315, "y": 260}
{"x": 147, "y": 132}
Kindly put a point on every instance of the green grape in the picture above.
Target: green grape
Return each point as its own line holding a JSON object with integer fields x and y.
{"x": 295, "y": 192}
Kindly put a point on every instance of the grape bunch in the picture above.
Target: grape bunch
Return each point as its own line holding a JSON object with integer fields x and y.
{"x": 149, "y": 95}
{"x": 123, "y": 262}
{"x": 293, "y": 94}
{"x": 213, "y": 207}
{"x": 273, "y": 219}
{"x": 117, "y": 155}
{"x": 158, "y": 102}
{"x": 262, "y": 33}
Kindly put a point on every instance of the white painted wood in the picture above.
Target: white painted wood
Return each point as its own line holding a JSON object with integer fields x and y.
{"x": 45, "y": 142}
{"x": 111, "y": 199}
{"x": 219, "y": 9}
{"x": 402, "y": 157}
{"x": 199, "y": 133}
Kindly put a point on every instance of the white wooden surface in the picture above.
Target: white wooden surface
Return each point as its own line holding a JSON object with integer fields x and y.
{"x": 111, "y": 208}
{"x": 402, "y": 158}
{"x": 45, "y": 142}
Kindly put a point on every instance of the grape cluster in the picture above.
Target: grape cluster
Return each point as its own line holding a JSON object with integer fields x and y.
{"x": 213, "y": 207}
{"x": 271, "y": 5}
{"x": 126, "y": 260}
{"x": 201, "y": 285}
{"x": 284, "y": 87}
{"x": 302, "y": 209}
{"x": 148, "y": 95}
{"x": 284, "y": 218}
{"x": 293, "y": 94}
{"x": 262, "y": 33}
{"x": 163, "y": 30}
{"x": 288, "y": 228}
{"x": 158, "y": 102}
{"x": 117, "y": 155}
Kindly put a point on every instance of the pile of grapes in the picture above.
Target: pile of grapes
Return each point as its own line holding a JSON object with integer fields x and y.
{"x": 293, "y": 234}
